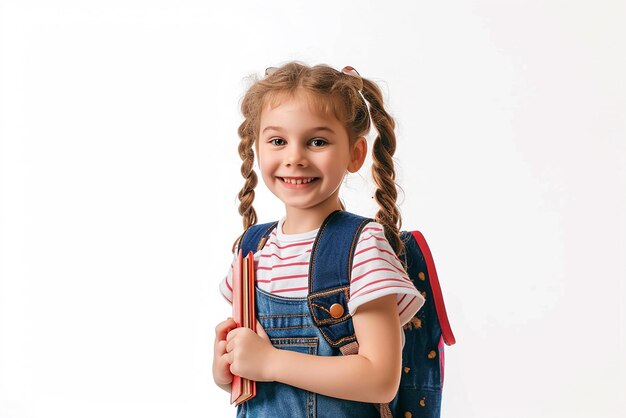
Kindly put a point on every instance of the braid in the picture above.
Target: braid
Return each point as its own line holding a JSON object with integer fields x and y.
{"x": 383, "y": 171}
{"x": 246, "y": 195}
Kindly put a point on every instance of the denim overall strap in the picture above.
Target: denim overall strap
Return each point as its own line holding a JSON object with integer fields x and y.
{"x": 329, "y": 276}
{"x": 255, "y": 236}
{"x": 329, "y": 283}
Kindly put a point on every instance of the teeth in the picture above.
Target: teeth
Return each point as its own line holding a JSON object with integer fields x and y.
{"x": 297, "y": 181}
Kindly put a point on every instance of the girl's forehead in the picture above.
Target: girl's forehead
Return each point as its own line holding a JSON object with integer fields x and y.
{"x": 321, "y": 106}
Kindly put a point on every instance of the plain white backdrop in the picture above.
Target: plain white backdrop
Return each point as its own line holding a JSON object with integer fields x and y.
{"x": 120, "y": 173}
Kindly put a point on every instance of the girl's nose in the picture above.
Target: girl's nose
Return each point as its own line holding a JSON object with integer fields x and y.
{"x": 295, "y": 156}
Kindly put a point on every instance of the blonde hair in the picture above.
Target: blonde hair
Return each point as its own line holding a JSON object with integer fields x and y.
{"x": 331, "y": 92}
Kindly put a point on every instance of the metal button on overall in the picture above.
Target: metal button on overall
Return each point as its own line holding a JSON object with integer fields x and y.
{"x": 336, "y": 310}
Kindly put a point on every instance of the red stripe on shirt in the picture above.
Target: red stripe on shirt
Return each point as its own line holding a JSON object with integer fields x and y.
{"x": 293, "y": 276}
{"x": 378, "y": 258}
{"x": 371, "y": 236}
{"x": 407, "y": 306}
{"x": 401, "y": 299}
{"x": 371, "y": 228}
{"x": 297, "y": 244}
{"x": 382, "y": 250}
{"x": 371, "y": 271}
{"x": 299, "y": 263}
{"x": 283, "y": 258}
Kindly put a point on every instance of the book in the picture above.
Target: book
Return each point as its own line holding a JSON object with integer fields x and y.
{"x": 244, "y": 314}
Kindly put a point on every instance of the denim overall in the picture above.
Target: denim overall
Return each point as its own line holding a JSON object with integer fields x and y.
{"x": 306, "y": 325}
{"x": 290, "y": 325}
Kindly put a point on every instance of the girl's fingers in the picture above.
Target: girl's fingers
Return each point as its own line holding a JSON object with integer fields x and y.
{"x": 229, "y": 360}
{"x": 230, "y": 339}
{"x": 233, "y": 332}
{"x": 220, "y": 347}
{"x": 223, "y": 328}
{"x": 226, "y": 358}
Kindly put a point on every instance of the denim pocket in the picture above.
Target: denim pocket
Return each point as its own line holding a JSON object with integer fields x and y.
{"x": 306, "y": 345}
{"x": 281, "y": 400}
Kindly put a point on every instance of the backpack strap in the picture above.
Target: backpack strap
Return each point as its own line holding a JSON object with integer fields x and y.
{"x": 254, "y": 238}
{"x": 330, "y": 269}
{"x": 440, "y": 307}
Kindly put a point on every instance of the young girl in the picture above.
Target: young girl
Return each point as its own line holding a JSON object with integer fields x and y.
{"x": 307, "y": 126}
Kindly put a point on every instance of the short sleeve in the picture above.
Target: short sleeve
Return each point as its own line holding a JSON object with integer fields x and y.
{"x": 377, "y": 272}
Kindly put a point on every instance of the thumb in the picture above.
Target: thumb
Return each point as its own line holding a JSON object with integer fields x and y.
{"x": 260, "y": 331}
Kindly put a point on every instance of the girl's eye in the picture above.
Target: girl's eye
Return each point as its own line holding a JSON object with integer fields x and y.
{"x": 318, "y": 142}
{"x": 277, "y": 141}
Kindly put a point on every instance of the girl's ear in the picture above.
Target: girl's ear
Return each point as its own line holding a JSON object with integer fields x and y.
{"x": 357, "y": 154}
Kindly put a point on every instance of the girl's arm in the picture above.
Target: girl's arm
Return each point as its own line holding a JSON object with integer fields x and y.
{"x": 372, "y": 375}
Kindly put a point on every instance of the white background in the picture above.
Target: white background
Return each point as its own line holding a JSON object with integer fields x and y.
{"x": 120, "y": 175}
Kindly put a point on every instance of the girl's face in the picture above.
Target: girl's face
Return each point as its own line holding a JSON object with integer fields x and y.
{"x": 303, "y": 155}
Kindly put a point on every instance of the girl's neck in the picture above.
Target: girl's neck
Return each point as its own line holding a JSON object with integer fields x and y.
{"x": 299, "y": 220}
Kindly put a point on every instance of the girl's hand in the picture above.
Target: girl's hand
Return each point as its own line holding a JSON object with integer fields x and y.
{"x": 221, "y": 366}
{"x": 250, "y": 354}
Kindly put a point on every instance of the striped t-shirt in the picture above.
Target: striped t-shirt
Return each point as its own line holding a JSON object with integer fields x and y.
{"x": 282, "y": 267}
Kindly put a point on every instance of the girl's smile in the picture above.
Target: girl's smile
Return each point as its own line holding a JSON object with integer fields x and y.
{"x": 297, "y": 182}
{"x": 303, "y": 155}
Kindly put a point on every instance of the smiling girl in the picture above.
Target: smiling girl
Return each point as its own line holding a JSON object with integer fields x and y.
{"x": 307, "y": 126}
